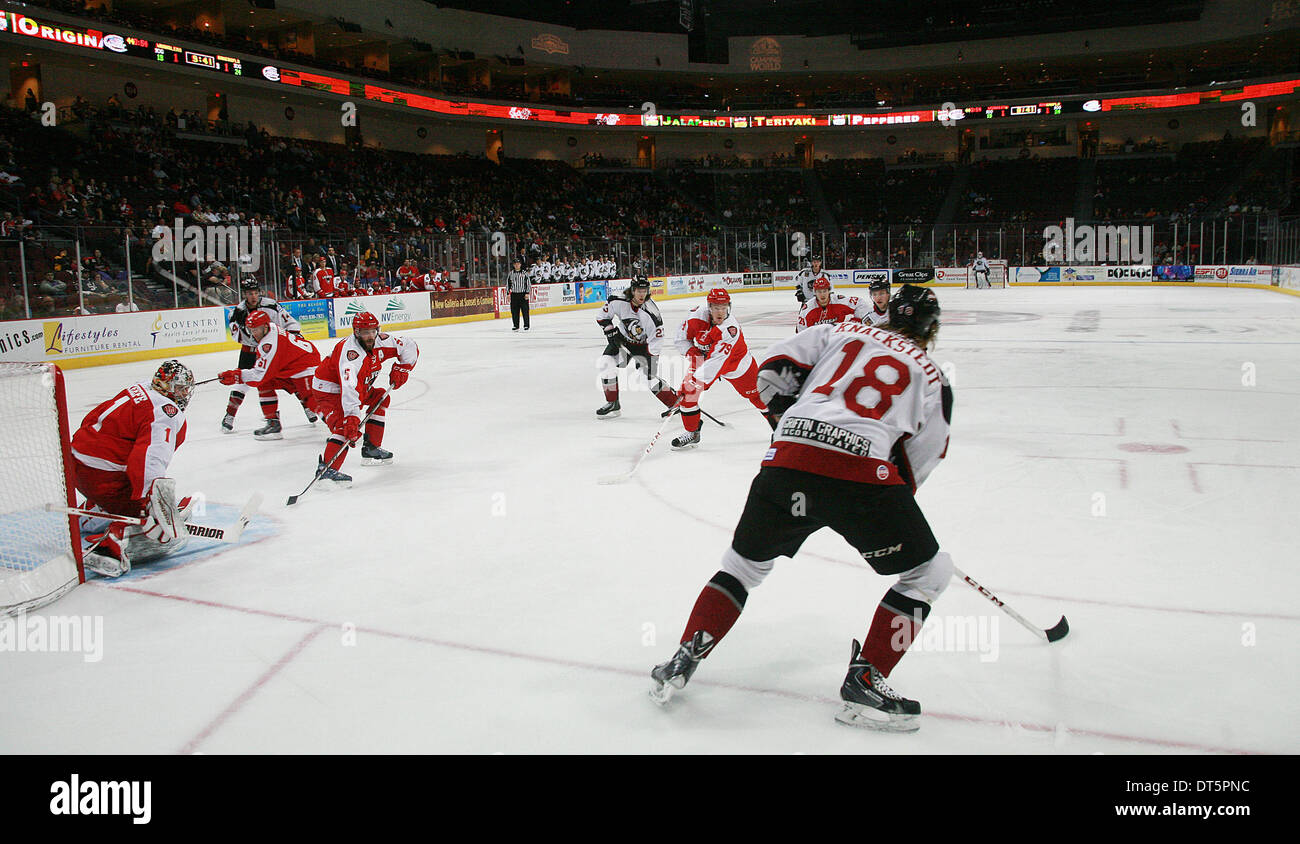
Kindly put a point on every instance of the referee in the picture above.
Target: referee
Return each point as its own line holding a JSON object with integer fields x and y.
{"x": 519, "y": 285}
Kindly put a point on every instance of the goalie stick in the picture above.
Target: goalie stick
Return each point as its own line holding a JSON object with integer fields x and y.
{"x": 342, "y": 451}
{"x": 1054, "y": 633}
{"x": 227, "y": 534}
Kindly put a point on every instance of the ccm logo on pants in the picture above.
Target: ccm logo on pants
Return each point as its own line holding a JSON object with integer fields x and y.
{"x": 883, "y": 552}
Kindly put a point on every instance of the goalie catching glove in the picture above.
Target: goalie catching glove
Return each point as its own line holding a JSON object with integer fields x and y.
{"x": 398, "y": 374}
{"x": 779, "y": 383}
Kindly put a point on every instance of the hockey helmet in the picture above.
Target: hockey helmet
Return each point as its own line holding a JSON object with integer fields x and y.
{"x": 719, "y": 296}
{"x": 250, "y": 285}
{"x": 257, "y": 318}
{"x": 365, "y": 320}
{"x": 821, "y": 284}
{"x": 915, "y": 310}
{"x": 880, "y": 284}
{"x": 175, "y": 381}
{"x": 639, "y": 282}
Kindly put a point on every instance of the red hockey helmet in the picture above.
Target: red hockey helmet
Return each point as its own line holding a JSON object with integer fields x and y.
{"x": 365, "y": 319}
{"x": 821, "y": 284}
{"x": 256, "y": 318}
{"x": 719, "y": 296}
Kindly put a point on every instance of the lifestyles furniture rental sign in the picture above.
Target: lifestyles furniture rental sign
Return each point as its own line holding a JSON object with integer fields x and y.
{"x": 107, "y": 338}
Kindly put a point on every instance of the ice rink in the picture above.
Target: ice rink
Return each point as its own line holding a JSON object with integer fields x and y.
{"x": 1124, "y": 456}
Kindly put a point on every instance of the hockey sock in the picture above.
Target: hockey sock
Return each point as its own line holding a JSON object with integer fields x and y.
{"x": 333, "y": 446}
{"x": 717, "y": 608}
{"x": 894, "y": 627}
{"x": 270, "y": 403}
{"x": 233, "y": 403}
{"x": 691, "y": 420}
{"x": 610, "y": 386}
{"x": 667, "y": 395}
{"x": 375, "y": 431}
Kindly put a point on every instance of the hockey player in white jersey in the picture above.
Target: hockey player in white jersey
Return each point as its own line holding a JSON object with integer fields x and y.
{"x": 807, "y": 277}
{"x": 879, "y": 313}
{"x": 865, "y": 416}
{"x": 634, "y": 329}
{"x": 980, "y": 267}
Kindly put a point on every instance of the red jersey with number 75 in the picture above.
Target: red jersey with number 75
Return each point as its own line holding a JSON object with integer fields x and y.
{"x": 873, "y": 408}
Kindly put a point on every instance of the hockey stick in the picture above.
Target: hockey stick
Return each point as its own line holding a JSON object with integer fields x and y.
{"x": 618, "y": 479}
{"x": 670, "y": 411}
{"x": 227, "y": 534}
{"x": 342, "y": 451}
{"x": 1054, "y": 633}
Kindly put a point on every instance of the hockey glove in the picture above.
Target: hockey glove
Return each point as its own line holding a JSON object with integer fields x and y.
{"x": 351, "y": 429}
{"x": 611, "y": 332}
{"x": 163, "y": 523}
{"x": 779, "y": 384}
{"x": 230, "y": 377}
{"x": 799, "y": 294}
{"x": 398, "y": 375}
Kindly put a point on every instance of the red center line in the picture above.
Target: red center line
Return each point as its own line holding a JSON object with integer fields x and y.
{"x": 320, "y": 626}
{"x": 248, "y": 693}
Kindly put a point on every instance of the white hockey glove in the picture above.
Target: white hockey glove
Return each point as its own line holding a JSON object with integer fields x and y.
{"x": 779, "y": 385}
{"x": 163, "y": 522}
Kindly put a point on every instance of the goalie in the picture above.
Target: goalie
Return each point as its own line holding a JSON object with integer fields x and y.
{"x": 120, "y": 457}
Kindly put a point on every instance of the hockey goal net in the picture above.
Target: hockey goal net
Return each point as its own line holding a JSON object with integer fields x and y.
{"x": 40, "y": 551}
{"x": 998, "y": 274}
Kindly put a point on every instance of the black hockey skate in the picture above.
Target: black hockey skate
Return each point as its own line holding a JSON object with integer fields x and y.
{"x": 311, "y": 415}
{"x": 690, "y": 439}
{"x": 373, "y": 455}
{"x": 609, "y": 411}
{"x": 228, "y": 424}
{"x": 871, "y": 704}
{"x": 270, "y": 431}
{"x": 332, "y": 475}
{"x": 676, "y": 672}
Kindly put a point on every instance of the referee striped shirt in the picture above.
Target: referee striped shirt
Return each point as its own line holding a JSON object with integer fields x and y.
{"x": 517, "y": 282}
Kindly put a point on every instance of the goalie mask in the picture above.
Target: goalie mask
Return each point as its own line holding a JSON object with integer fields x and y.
{"x": 175, "y": 381}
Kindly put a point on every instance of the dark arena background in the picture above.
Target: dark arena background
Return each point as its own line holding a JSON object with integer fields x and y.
{"x": 1103, "y": 197}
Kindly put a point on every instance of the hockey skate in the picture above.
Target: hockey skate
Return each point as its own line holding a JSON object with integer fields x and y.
{"x": 373, "y": 455}
{"x": 609, "y": 411}
{"x": 271, "y": 431}
{"x": 676, "y": 672}
{"x": 690, "y": 439}
{"x": 311, "y": 415}
{"x": 228, "y": 424}
{"x": 333, "y": 475}
{"x": 871, "y": 704}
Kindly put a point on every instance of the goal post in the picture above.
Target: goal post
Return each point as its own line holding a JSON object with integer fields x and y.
{"x": 999, "y": 274}
{"x": 40, "y": 551}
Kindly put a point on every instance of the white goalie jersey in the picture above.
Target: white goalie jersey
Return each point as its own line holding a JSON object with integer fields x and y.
{"x": 873, "y": 408}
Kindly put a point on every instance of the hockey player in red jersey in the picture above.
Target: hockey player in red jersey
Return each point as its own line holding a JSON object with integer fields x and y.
{"x": 344, "y": 392}
{"x": 120, "y": 457}
{"x": 865, "y": 416}
{"x": 254, "y": 302}
{"x": 714, "y": 346}
{"x": 284, "y": 362}
{"x": 827, "y": 306}
{"x": 322, "y": 279}
{"x": 634, "y": 329}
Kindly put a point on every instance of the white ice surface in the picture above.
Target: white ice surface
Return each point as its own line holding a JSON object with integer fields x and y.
{"x": 1107, "y": 463}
